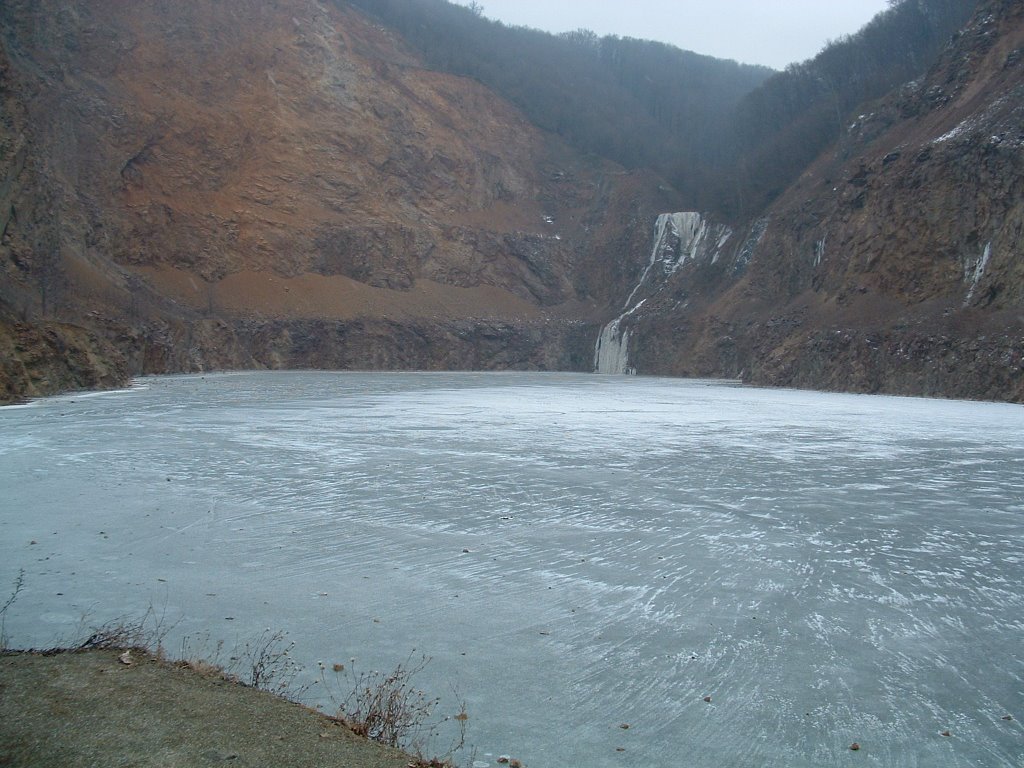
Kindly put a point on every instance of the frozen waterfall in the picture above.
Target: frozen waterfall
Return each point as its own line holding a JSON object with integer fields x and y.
{"x": 978, "y": 272}
{"x": 678, "y": 238}
{"x": 610, "y": 355}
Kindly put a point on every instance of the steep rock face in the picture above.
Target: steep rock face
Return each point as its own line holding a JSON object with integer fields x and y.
{"x": 679, "y": 238}
{"x": 219, "y": 162}
{"x": 56, "y": 357}
{"x": 895, "y": 263}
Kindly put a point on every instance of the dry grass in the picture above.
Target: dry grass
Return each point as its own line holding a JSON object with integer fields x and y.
{"x": 387, "y": 707}
{"x": 145, "y": 634}
{"x": 206, "y": 669}
{"x": 384, "y": 707}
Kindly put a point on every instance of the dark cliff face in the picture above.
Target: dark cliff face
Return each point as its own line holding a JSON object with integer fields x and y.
{"x": 894, "y": 264}
{"x": 179, "y": 181}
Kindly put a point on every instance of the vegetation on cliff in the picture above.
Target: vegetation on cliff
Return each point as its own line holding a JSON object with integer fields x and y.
{"x": 636, "y": 102}
{"x": 783, "y": 125}
{"x": 729, "y": 137}
{"x": 893, "y": 263}
{"x": 403, "y": 183}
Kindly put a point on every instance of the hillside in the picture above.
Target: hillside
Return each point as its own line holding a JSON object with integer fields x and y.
{"x": 75, "y": 709}
{"x": 222, "y": 185}
{"x": 638, "y": 103}
{"x": 783, "y": 125}
{"x": 893, "y": 264}
{"x": 383, "y": 184}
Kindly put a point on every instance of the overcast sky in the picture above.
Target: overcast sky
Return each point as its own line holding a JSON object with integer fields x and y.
{"x": 770, "y": 32}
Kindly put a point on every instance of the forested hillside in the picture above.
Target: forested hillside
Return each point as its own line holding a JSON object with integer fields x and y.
{"x": 729, "y": 137}
{"x": 783, "y": 125}
{"x": 639, "y": 103}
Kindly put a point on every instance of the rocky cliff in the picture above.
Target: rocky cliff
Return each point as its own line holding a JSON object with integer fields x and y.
{"x": 219, "y": 183}
{"x": 894, "y": 264}
{"x": 225, "y": 184}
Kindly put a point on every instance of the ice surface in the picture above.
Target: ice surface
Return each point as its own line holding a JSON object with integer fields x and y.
{"x": 827, "y": 568}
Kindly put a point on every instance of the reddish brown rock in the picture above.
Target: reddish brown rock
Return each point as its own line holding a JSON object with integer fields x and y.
{"x": 205, "y": 185}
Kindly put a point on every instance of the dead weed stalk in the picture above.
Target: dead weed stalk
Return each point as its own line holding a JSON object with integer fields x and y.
{"x": 388, "y": 708}
{"x": 145, "y": 634}
{"x": 268, "y": 665}
{"x": 19, "y": 584}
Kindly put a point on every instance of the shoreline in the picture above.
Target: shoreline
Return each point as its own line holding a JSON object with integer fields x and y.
{"x": 66, "y": 708}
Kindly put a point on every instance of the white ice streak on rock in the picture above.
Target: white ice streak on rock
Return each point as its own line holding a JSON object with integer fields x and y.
{"x": 960, "y": 129}
{"x": 972, "y": 122}
{"x": 682, "y": 236}
{"x": 722, "y": 240}
{"x": 687, "y": 237}
{"x": 678, "y": 238}
{"x": 819, "y": 250}
{"x": 746, "y": 251}
{"x": 661, "y": 229}
{"x": 978, "y": 272}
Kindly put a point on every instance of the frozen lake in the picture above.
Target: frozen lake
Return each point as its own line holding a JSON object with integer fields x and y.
{"x": 828, "y": 569}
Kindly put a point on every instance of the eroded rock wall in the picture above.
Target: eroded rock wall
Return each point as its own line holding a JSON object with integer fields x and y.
{"x": 894, "y": 264}
{"x": 287, "y": 166}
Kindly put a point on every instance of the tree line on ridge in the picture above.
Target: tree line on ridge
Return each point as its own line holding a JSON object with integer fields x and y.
{"x": 729, "y": 137}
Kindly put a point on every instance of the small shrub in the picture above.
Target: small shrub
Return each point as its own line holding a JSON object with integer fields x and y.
{"x": 116, "y": 634}
{"x": 144, "y": 634}
{"x": 266, "y": 663}
{"x": 388, "y": 708}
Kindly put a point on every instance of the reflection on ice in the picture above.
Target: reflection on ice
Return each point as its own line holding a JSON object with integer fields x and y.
{"x": 826, "y": 568}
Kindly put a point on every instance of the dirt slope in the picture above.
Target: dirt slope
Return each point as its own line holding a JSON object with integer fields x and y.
{"x": 88, "y": 709}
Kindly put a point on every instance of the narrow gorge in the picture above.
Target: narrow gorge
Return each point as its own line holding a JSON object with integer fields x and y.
{"x": 339, "y": 195}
